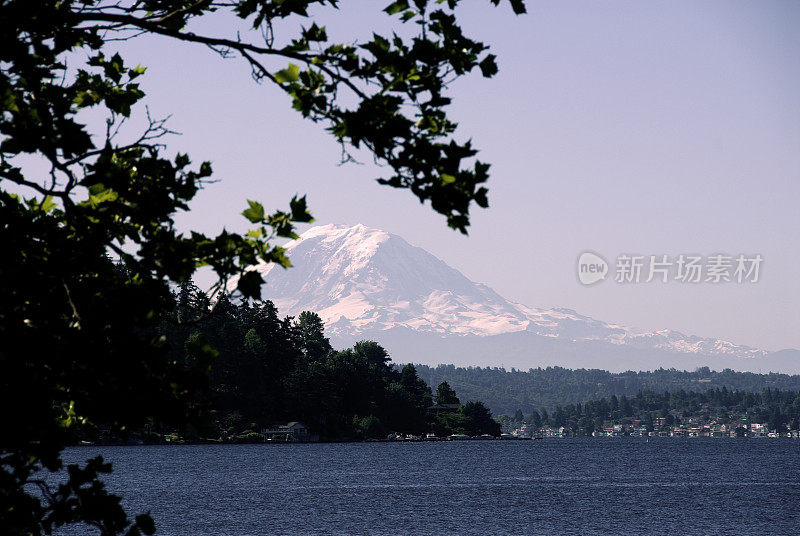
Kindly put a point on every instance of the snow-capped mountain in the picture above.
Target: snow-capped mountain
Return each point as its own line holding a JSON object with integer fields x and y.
{"x": 365, "y": 282}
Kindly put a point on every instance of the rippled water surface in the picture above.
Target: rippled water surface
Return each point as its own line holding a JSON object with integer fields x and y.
{"x": 559, "y": 486}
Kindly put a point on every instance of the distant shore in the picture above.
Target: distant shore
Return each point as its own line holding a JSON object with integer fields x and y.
{"x": 418, "y": 440}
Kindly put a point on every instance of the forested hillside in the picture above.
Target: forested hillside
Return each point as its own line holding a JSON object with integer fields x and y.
{"x": 505, "y": 391}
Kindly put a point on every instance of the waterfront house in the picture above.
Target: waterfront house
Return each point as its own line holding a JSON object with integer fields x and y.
{"x": 291, "y": 431}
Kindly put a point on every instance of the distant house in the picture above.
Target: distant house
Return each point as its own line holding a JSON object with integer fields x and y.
{"x": 550, "y": 431}
{"x": 291, "y": 431}
{"x": 522, "y": 431}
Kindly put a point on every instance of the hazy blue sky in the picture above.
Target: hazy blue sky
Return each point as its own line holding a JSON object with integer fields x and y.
{"x": 620, "y": 127}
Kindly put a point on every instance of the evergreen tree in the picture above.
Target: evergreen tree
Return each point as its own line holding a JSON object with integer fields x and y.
{"x": 445, "y": 394}
{"x": 311, "y": 332}
{"x": 478, "y": 419}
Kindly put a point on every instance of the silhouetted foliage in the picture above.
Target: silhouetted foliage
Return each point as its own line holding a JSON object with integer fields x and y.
{"x": 271, "y": 369}
{"x": 81, "y": 353}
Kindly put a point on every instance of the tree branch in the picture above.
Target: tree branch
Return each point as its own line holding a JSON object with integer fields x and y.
{"x": 241, "y": 47}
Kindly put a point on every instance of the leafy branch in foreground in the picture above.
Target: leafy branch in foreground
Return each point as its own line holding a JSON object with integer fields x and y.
{"x": 89, "y": 245}
{"x": 395, "y": 86}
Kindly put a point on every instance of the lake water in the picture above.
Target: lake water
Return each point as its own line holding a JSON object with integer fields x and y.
{"x": 558, "y": 486}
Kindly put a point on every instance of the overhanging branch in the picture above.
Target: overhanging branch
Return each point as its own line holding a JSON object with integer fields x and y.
{"x": 242, "y": 47}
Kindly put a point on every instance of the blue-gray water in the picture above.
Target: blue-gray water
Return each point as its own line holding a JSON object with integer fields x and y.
{"x": 560, "y": 486}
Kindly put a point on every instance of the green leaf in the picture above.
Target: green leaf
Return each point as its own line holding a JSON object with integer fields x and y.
{"x": 488, "y": 66}
{"x": 278, "y": 256}
{"x": 100, "y": 194}
{"x": 481, "y": 197}
{"x": 137, "y": 71}
{"x": 396, "y": 7}
{"x": 447, "y": 179}
{"x": 518, "y": 6}
{"x": 290, "y": 74}
{"x": 250, "y": 284}
{"x": 299, "y": 209}
{"x": 47, "y": 204}
{"x": 255, "y": 213}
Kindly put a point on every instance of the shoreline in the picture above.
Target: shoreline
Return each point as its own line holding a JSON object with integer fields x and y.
{"x": 442, "y": 440}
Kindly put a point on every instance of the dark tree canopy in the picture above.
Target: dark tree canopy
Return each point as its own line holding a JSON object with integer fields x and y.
{"x": 478, "y": 419}
{"x": 445, "y": 394}
{"x": 90, "y": 251}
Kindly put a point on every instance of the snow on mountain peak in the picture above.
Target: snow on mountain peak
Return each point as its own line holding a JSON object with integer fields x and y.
{"x": 363, "y": 280}
{"x": 358, "y": 278}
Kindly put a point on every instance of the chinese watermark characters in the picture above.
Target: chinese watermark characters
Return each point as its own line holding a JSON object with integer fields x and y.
{"x": 718, "y": 268}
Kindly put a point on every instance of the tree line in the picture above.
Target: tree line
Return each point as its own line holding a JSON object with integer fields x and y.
{"x": 505, "y": 391}
{"x": 271, "y": 369}
{"x": 779, "y": 410}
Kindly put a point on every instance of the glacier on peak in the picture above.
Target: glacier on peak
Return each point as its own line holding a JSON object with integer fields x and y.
{"x": 362, "y": 280}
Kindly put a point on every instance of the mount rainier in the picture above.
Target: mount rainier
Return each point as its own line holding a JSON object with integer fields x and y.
{"x": 369, "y": 284}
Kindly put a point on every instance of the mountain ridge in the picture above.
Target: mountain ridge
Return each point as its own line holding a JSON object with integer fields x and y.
{"x": 364, "y": 282}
